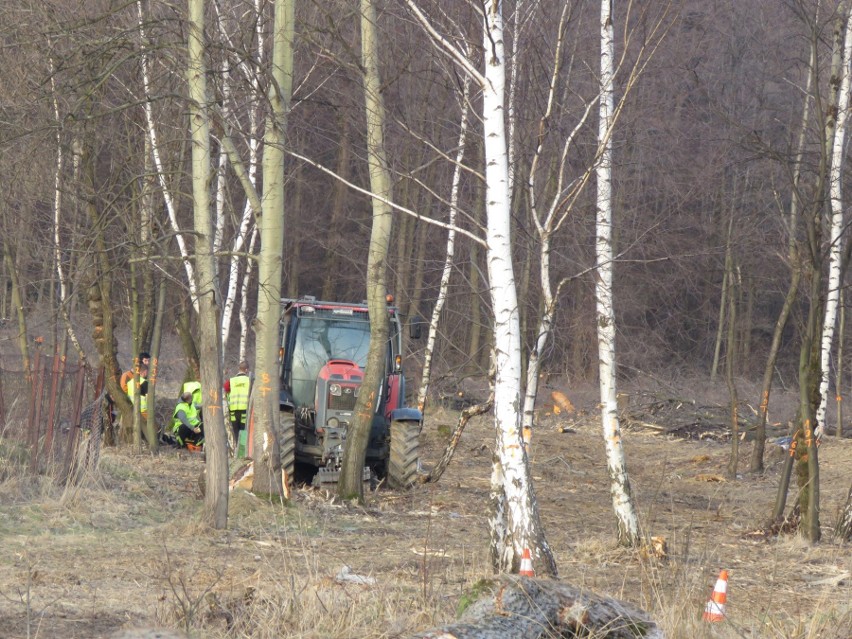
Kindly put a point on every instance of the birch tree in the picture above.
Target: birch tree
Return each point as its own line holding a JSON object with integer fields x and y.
{"x": 515, "y": 522}
{"x": 836, "y": 224}
{"x": 622, "y": 502}
{"x": 168, "y": 198}
{"x": 447, "y": 270}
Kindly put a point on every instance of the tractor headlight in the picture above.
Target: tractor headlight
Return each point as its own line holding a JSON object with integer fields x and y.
{"x": 335, "y": 390}
{"x": 333, "y": 422}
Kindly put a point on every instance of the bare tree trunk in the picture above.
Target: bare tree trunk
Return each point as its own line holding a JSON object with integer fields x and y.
{"x": 622, "y": 500}
{"x": 18, "y": 306}
{"x": 338, "y": 212}
{"x": 795, "y": 278}
{"x": 183, "y": 326}
{"x": 838, "y": 380}
{"x": 843, "y": 531}
{"x": 215, "y": 441}
{"x": 171, "y": 206}
{"x": 450, "y": 255}
{"x": 151, "y": 427}
{"x": 351, "y": 484}
{"x": 731, "y": 354}
{"x": 474, "y": 339}
{"x": 522, "y": 528}
{"x": 835, "y": 251}
{"x": 769, "y": 371}
{"x": 720, "y": 330}
{"x": 99, "y": 295}
{"x": 268, "y": 472}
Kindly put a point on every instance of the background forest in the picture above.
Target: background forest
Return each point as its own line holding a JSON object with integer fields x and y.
{"x": 707, "y": 140}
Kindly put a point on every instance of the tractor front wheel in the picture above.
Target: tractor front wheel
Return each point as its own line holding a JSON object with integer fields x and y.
{"x": 404, "y": 453}
{"x": 287, "y": 443}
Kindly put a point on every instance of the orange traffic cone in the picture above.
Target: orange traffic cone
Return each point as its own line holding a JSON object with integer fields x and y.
{"x": 526, "y": 564}
{"x": 715, "y": 609}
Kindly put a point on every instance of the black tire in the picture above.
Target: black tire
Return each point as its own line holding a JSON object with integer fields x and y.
{"x": 404, "y": 453}
{"x": 287, "y": 443}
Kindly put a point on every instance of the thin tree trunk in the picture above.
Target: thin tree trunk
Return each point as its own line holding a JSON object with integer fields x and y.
{"x": 171, "y": 207}
{"x": 731, "y": 354}
{"x": 622, "y": 500}
{"x": 519, "y": 505}
{"x": 338, "y": 213}
{"x": 769, "y": 371}
{"x": 720, "y": 329}
{"x": 215, "y": 441}
{"x": 838, "y": 380}
{"x": 268, "y": 476}
{"x": 351, "y": 484}
{"x": 835, "y": 251}
{"x": 795, "y": 279}
{"x": 18, "y": 306}
{"x": 474, "y": 339}
{"x": 450, "y": 255}
{"x": 151, "y": 427}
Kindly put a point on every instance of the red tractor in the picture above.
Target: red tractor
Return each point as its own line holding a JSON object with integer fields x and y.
{"x": 324, "y": 349}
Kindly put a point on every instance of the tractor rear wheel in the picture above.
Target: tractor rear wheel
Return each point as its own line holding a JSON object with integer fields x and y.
{"x": 404, "y": 453}
{"x": 287, "y": 443}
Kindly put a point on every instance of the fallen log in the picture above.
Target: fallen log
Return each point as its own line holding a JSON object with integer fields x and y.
{"x": 514, "y": 607}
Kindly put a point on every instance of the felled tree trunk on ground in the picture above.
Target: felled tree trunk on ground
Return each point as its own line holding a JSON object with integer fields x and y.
{"x": 514, "y": 607}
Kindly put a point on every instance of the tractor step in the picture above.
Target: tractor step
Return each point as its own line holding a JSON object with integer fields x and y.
{"x": 328, "y": 476}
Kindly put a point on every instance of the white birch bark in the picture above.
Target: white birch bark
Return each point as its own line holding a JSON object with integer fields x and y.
{"x": 449, "y": 257}
{"x": 249, "y": 75}
{"x": 523, "y": 523}
{"x": 171, "y": 209}
{"x": 57, "y": 224}
{"x": 835, "y": 257}
{"x": 546, "y": 224}
{"x": 628, "y": 528}
{"x": 244, "y": 288}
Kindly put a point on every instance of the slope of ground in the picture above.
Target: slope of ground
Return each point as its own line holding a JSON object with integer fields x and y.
{"x": 127, "y": 550}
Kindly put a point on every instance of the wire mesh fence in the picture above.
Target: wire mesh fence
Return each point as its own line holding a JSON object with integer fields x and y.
{"x": 42, "y": 411}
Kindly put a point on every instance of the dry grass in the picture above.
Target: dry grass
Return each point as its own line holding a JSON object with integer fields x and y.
{"x": 126, "y": 548}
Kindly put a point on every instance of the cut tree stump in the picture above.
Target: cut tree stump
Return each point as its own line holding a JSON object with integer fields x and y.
{"x": 514, "y": 607}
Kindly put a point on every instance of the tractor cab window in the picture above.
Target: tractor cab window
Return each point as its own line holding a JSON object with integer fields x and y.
{"x": 319, "y": 339}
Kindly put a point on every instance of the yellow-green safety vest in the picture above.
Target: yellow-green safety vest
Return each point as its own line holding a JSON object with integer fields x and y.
{"x": 239, "y": 394}
{"x": 131, "y": 391}
{"x": 191, "y": 414}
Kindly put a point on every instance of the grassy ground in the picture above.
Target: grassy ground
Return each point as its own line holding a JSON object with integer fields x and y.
{"x": 126, "y": 550}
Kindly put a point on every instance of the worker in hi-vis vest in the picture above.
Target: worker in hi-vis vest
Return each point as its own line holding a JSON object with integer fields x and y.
{"x": 237, "y": 391}
{"x": 186, "y": 423}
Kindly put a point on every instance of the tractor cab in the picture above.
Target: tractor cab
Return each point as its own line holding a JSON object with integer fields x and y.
{"x": 324, "y": 347}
